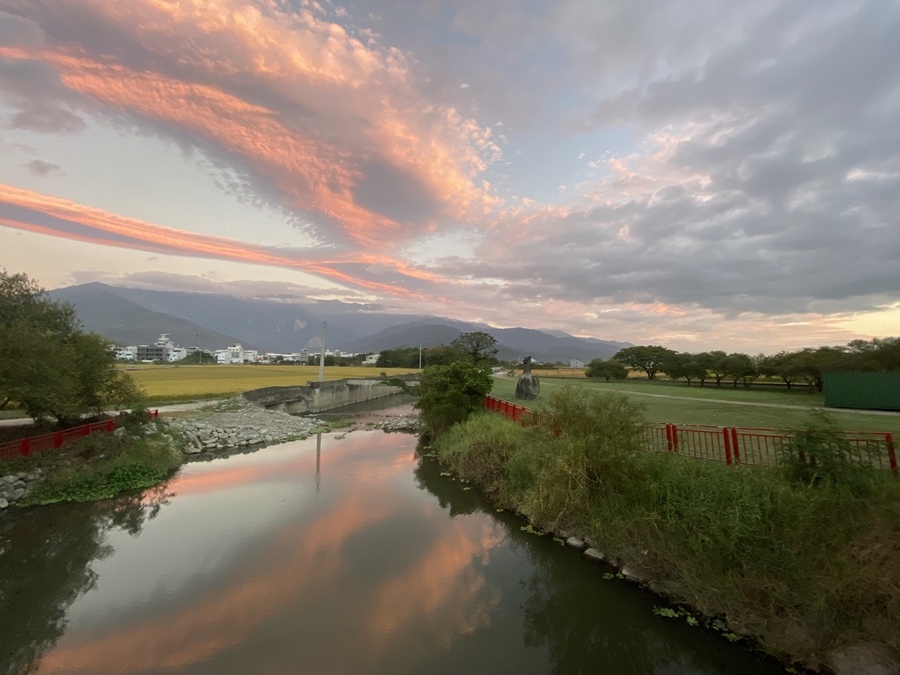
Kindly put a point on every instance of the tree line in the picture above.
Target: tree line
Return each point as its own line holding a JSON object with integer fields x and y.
{"x": 805, "y": 366}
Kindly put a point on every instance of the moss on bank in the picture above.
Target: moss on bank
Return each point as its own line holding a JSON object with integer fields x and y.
{"x": 805, "y": 567}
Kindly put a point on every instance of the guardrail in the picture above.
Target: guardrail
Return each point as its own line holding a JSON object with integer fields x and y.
{"x": 732, "y": 445}
{"x": 57, "y": 439}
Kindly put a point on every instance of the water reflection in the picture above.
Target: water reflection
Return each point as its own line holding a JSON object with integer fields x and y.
{"x": 261, "y": 564}
{"x": 47, "y": 557}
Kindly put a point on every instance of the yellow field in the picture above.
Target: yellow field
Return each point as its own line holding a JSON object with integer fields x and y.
{"x": 182, "y": 382}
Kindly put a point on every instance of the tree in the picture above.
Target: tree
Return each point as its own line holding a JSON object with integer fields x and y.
{"x": 449, "y": 394}
{"x": 607, "y": 370}
{"x": 47, "y": 364}
{"x": 781, "y": 365}
{"x": 714, "y": 362}
{"x": 684, "y": 365}
{"x": 479, "y": 346}
{"x": 648, "y": 358}
{"x": 741, "y": 368}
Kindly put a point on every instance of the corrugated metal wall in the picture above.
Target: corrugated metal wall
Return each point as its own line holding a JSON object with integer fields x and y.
{"x": 868, "y": 391}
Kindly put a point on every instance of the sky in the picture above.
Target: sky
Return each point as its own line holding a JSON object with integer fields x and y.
{"x": 700, "y": 174}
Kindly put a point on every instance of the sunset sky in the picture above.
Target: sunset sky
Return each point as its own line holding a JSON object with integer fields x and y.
{"x": 703, "y": 174}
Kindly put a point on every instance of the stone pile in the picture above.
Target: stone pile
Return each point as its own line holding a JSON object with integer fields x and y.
{"x": 16, "y": 486}
{"x": 405, "y": 424}
{"x": 240, "y": 425}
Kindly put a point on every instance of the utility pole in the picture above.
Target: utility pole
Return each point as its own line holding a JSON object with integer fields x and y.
{"x": 322, "y": 356}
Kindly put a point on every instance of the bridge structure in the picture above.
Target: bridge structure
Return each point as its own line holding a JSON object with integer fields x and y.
{"x": 316, "y": 397}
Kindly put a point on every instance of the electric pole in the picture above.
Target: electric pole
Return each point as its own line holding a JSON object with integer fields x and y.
{"x": 322, "y": 356}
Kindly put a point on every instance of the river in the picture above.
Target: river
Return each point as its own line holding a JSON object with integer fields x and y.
{"x": 343, "y": 553}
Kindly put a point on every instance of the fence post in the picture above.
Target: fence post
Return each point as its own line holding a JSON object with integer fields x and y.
{"x": 675, "y": 437}
{"x": 727, "y": 435}
{"x": 892, "y": 455}
{"x": 25, "y": 447}
{"x": 669, "y": 437}
{"x": 734, "y": 445}
{"x": 57, "y": 439}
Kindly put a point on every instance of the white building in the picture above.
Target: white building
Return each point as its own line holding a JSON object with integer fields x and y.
{"x": 371, "y": 359}
{"x": 576, "y": 363}
{"x": 127, "y": 353}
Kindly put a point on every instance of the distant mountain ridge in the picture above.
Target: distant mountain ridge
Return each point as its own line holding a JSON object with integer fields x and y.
{"x": 138, "y": 316}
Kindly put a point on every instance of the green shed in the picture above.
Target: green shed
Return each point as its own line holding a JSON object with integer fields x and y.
{"x": 868, "y": 391}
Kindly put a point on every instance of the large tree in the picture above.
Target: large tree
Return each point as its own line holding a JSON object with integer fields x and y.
{"x": 478, "y": 346}
{"x": 608, "y": 370}
{"x": 48, "y": 364}
{"x": 647, "y": 358}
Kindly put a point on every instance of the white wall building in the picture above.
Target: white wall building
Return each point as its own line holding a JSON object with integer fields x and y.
{"x": 576, "y": 363}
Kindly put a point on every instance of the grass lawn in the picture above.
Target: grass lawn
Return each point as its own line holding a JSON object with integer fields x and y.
{"x": 190, "y": 382}
{"x": 727, "y": 407}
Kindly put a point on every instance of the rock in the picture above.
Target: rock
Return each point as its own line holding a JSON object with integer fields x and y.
{"x": 18, "y": 494}
{"x": 3, "y": 503}
{"x": 575, "y": 542}
{"x": 594, "y": 554}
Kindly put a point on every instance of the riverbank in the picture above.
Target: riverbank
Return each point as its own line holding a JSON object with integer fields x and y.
{"x": 144, "y": 453}
{"x": 807, "y": 569}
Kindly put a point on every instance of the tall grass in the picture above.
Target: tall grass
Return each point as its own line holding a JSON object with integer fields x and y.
{"x": 804, "y": 566}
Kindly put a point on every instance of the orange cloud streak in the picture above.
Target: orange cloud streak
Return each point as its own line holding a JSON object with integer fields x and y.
{"x": 158, "y": 238}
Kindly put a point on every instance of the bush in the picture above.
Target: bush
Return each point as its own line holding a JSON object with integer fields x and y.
{"x": 449, "y": 394}
{"x": 820, "y": 453}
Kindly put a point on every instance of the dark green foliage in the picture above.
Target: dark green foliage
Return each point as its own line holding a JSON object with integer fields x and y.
{"x": 477, "y": 346}
{"x": 819, "y": 453}
{"x": 650, "y": 359}
{"x": 607, "y": 370}
{"x": 47, "y": 364}
{"x": 684, "y": 365}
{"x": 449, "y": 394}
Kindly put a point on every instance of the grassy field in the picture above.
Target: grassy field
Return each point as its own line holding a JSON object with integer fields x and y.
{"x": 725, "y": 406}
{"x": 171, "y": 383}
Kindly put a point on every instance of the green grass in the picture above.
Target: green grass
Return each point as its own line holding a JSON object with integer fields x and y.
{"x": 678, "y": 404}
{"x": 100, "y": 466}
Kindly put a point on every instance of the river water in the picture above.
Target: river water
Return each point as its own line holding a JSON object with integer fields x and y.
{"x": 338, "y": 554}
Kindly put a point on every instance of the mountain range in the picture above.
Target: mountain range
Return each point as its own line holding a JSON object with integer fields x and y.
{"x": 131, "y": 316}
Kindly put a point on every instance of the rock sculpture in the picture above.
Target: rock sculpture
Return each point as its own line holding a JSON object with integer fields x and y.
{"x": 528, "y": 386}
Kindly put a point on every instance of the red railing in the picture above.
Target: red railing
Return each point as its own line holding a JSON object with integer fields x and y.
{"x": 735, "y": 445}
{"x": 57, "y": 439}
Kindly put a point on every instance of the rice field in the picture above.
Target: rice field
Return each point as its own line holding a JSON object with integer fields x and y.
{"x": 178, "y": 383}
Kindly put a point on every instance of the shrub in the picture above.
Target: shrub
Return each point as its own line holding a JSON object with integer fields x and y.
{"x": 819, "y": 453}
{"x": 449, "y": 394}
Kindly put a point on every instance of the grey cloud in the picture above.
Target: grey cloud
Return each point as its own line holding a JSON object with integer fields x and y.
{"x": 39, "y": 100}
{"x": 41, "y": 168}
{"x": 16, "y": 31}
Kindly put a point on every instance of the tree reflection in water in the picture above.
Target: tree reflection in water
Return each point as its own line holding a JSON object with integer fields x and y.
{"x": 45, "y": 564}
{"x": 587, "y": 624}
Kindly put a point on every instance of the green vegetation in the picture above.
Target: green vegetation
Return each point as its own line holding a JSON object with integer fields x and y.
{"x": 450, "y": 394}
{"x": 675, "y": 403}
{"x": 805, "y": 565}
{"x": 806, "y": 366}
{"x": 607, "y": 370}
{"x": 48, "y": 366}
{"x": 138, "y": 455}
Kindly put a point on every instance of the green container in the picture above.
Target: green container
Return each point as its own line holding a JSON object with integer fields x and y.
{"x": 867, "y": 391}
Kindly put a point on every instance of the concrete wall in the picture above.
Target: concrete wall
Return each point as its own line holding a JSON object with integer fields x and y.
{"x": 320, "y": 396}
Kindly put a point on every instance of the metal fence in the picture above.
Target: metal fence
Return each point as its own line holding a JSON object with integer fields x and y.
{"x": 57, "y": 439}
{"x": 733, "y": 445}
